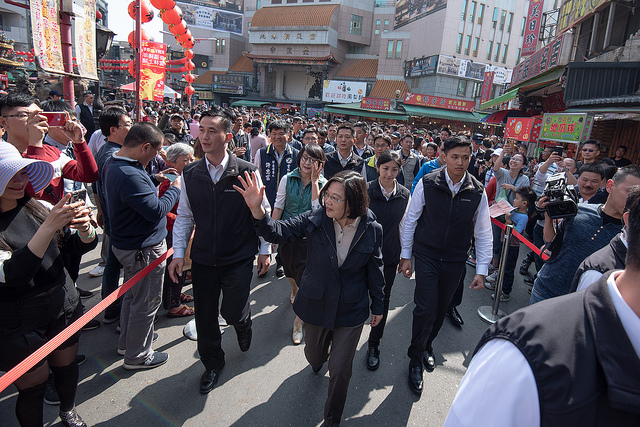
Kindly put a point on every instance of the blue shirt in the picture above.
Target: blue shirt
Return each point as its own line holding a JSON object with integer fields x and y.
{"x": 429, "y": 166}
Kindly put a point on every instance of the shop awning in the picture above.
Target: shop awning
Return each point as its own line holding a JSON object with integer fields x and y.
{"x": 505, "y": 97}
{"x": 353, "y": 109}
{"x": 546, "y": 79}
{"x": 441, "y": 113}
{"x": 501, "y": 116}
{"x": 249, "y": 103}
{"x": 630, "y": 109}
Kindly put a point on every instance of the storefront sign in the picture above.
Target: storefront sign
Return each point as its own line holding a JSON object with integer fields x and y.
{"x": 573, "y": 127}
{"x": 152, "y": 72}
{"x": 376, "y": 103}
{"x": 554, "y": 54}
{"x": 283, "y": 105}
{"x": 203, "y": 94}
{"x": 342, "y": 91}
{"x": 532, "y": 27}
{"x": 228, "y": 88}
{"x": 487, "y": 85}
{"x": 553, "y": 103}
{"x": 523, "y": 129}
{"x": 85, "y": 39}
{"x": 457, "y": 67}
{"x": 45, "y": 33}
{"x": 438, "y": 102}
{"x": 425, "y": 66}
{"x": 574, "y": 11}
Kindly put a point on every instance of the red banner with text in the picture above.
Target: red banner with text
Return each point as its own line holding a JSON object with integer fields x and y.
{"x": 154, "y": 56}
{"x": 487, "y": 85}
{"x": 375, "y": 103}
{"x": 438, "y": 102}
{"x": 532, "y": 27}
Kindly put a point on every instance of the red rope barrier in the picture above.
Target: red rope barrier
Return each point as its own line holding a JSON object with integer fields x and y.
{"x": 17, "y": 371}
{"x": 523, "y": 239}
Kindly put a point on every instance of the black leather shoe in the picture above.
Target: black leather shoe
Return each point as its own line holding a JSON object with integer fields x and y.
{"x": 373, "y": 358}
{"x": 209, "y": 379}
{"x": 429, "y": 361}
{"x": 455, "y": 317}
{"x": 244, "y": 339}
{"x": 280, "y": 271}
{"x": 415, "y": 378}
{"x": 316, "y": 369}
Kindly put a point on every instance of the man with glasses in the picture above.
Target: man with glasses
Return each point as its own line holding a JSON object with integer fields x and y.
{"x": 590, "y": 151}
{"x": 136, "y": 218}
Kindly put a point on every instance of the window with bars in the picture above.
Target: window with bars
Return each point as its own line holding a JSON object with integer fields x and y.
{"x": 503, "y": 17}
{"x": 463, "y": 14}
{"x": 494, "y": 20}
{"x": 459, "y": 44}
{"x": 377, "y": 22}
{"x": 462, "y": 87}
{"x": 518, "y": 56}
{"x": 504, "y": 53}
{"x": 497, "y": 55}
{"x": 356, "y": 25}
{"x": 524, "y": 22}
{"x": 480, "y": 13}
{"x": 399, "y": 49}
{"x": 489, "y": 49}
{"x": 376, "y": 32}
{"x": 386, "y": 22}
{"x": 390, "y": 49}
{"x": 467, "y": 44}
{"x": 476, "y": 42}
{"x": 477, "y": 90}
{"x": 472, "y": 11}
{"x": 509, "y": 23}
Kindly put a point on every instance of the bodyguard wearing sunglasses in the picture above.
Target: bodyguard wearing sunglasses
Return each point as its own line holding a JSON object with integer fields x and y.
{"x": 590, "y": 151}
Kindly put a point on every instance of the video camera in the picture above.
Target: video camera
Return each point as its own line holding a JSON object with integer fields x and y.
{"x": 563, "y": 198}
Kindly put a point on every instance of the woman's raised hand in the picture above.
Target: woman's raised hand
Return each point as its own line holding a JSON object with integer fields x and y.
{"x": 316, "y": 168}
{"x": 252, "y": 193}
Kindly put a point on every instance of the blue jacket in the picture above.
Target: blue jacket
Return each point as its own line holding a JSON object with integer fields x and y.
{"x": 426, "y": 168}
{"x": 332, "y": 296}
{"x": 135, "y": 215}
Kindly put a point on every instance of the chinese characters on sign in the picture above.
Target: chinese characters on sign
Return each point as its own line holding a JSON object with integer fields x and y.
{"x": 552, "y": 55}
{"x": 523, "y": 129}
{"x": 85, "y": 40}
{"x": 438, "y": 102}
{"x": 152, "y": 72}
{"x": 376, "y": 103}
{"x": 344, "y": 92}
{"x": 532, "y": 27}
{"x": 487, "y": 85}
{"x": 568, "y": 127}
{"x": 572, "y": 11}
{"x": 45, "y": 33}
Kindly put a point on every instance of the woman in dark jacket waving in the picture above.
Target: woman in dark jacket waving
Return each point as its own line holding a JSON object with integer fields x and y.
{"x": 344, "y": 241}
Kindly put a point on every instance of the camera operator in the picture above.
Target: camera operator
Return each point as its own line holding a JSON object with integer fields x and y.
{"x": 590, "y": 230}
{"x": 591, "y": 184}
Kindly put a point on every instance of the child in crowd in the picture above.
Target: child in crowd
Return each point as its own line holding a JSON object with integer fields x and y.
{"x": 525, "y": 198}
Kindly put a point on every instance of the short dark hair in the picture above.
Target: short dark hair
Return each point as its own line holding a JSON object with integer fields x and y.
{"x": 59, "y": 105}
{"x": 363, "y": 126}
{"x": 278, "y": 124}
{"x": 296, "y": 119}
{"x": 322, "y": 132}
{"x": 383, "y": 137}
{"x": 432, "y": 145}
{"x": 16, "y": 99}
{"x": 84, "y": 95}
{"x": 446, "y": 129}
{"x": 355, "y": 191}
{"x": 624, "y": 172}
{"x": 455, "y": 141}
{"x": 633, "y": 229}
{"x": 592, "y": 141}
{"x": 528, "y": 195}
{"x": 624, "y": 147}
{"x": 313, "y": 150}
{"x": 593, "y": 168}
{"x": 407, "y": 135}
{"x": 143, "y": 133}
{"x": 226, "y": 117}
{"x": 310, "y": 129}
{"x": 348, "y": 126}
{"x": 110, "y": 117}
{"x": 389, "y": 156}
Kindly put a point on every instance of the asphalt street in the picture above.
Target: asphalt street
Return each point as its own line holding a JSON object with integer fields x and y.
{"x": 271, "y": 384}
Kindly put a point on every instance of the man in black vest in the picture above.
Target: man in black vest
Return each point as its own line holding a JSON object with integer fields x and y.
{"x": 447, "y": 209}
{"x": 573, "y": 360}
{"x": 343, "y": 158}
{"x": 84, "y": 111}
{"x": 224, "y": 245}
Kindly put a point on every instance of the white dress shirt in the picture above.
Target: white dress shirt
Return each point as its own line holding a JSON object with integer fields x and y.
{"x": 481, "y": 228}
{"x": 183, "y": 225}
{"x": 343, "y": 162}
{"x": 500, "y": 370}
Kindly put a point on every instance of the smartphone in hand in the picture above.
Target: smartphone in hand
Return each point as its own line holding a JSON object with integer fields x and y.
{"x": 171, "y": 176}
{"x": 55, "y": 118}
{"x": 77, "y": 196}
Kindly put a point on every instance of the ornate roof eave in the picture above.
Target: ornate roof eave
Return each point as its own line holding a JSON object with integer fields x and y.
{"x": 297, "y": 60}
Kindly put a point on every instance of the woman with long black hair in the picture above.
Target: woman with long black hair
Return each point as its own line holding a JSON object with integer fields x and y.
{"x": 35, "y": 301}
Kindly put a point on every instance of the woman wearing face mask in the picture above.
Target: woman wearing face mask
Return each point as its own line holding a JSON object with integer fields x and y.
{"x": 344, "y": 241}
{"x": 298, "y": 192}
{"x": 388, "y": 200}
{"x": 35, "y": 302}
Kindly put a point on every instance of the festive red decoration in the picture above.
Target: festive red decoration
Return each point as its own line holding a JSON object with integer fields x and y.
{"x": 189, "y": 78}
{"x": 132, "y": 37}
{"x": 177, "y": 61}
{"x": 188, "y": 44}
{"x": 171, "y": 16}
{"x": 132, "y": 70}
{"x": 147, "y": 12}
{"x": 178, "y": 29}
{"x": 98, "y": 15}
{"x": 189, "y": 90}
{"x": 163, "y": 4}
{"x": 185, "y": 37}
{"x": 188, "y": 53}
{"x": 190, "y": 65}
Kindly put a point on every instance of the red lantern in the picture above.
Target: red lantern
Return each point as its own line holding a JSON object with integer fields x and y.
{"x": 171, "y": 16}
{"x": 147, "y": 13}
{"x": 163, "y": 4}
{"x": 132, "y": 70}
{"x": 189, "y": 90}
{"x": 188, "y": 54}
{"x": 98, "y": 15}
{"x": 132, "y": 37}
{"x": 185, "y": 37}
{"x": 190, "y": 66}
{"x": 188, "y": 44}
{"x": 178, "y": 29}
{"x": 189, "y": 78}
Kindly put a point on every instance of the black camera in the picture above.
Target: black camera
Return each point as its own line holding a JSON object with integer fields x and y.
{"x": 563, "y": 198}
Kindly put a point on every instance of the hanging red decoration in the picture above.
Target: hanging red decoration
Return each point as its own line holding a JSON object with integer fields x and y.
{"x": 189, "y": 90}
{"x": 190, "y": 66}
{"x": 185, "y": 37}
{"x": 147, "y": 12}
{"x": 132, "y": 70}
{"x": 98, "y": 15}
{"x": 188, "y": 53}
{"x": 171, "y": 16}
{"x": 189, "y": 78}
{"x": 177, "y": 61}
{"x": 132, "y": 37}
{"x": 188, "y": 44}
{"x": 178, "y": 29}
{"x": 163, "y": 4}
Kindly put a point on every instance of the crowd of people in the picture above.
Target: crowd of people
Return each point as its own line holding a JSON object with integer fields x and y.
{"x": 346, "y": 207}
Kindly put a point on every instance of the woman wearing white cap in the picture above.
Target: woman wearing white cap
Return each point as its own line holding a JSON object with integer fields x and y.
{"x": 35, "y": 303}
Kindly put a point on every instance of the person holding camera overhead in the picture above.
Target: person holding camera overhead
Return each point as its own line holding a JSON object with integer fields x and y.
{"x": 578, "y": 237}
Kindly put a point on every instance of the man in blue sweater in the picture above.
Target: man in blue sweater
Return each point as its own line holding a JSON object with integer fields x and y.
{"x": 136, "y": 218}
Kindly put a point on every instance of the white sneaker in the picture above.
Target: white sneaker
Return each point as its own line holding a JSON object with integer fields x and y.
{"x": 97, "y": 271}
{"x": 297, "y": 331}
{"x": 492, "y": 277}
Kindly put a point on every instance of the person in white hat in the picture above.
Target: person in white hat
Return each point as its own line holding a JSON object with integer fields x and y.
{"x": 35, "y": 302}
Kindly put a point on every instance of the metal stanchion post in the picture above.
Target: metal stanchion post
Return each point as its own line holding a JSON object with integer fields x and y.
{"x": 493, "y": 314}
